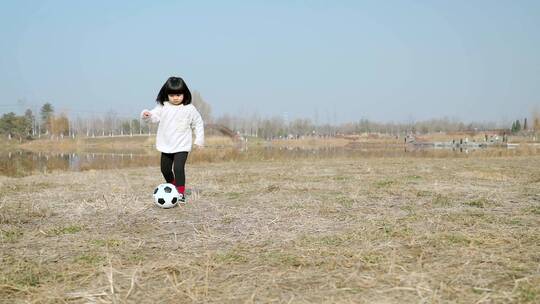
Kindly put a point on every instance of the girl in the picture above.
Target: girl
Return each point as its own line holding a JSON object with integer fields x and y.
{"x": 176, "y": 117}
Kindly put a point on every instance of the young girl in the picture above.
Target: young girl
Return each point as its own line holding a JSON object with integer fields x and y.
{"x": 176, "y": 117}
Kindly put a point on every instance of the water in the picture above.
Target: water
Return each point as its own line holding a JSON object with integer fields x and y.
{"x": 22, "y": 163}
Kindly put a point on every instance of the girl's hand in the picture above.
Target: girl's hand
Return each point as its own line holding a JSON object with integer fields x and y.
{"x": 146, "y": 114}
{"x": 198, "y": 147}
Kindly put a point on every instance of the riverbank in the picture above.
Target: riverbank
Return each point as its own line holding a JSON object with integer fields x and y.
{"x": 112, "y": 144}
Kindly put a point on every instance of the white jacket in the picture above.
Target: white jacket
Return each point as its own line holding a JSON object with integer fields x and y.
{"x": 176, "y": 122}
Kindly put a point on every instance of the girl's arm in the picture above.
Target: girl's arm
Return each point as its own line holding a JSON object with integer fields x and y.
{"x": 198, "y": 124}
{"x": 154, "y": 114}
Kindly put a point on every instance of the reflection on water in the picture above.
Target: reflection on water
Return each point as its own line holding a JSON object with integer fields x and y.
{"x": 22, "y": 163}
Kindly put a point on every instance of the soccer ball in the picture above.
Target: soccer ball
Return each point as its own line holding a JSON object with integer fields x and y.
{"x": 166, "y": 196}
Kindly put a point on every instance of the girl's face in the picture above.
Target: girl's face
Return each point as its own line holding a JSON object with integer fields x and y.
{"x": 176, "y": 99}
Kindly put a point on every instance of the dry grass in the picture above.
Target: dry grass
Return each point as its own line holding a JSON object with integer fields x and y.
{"x": 8, "y": 145}
{"x": 342, "y": 230}
{"x": 136, "y": 143}
{"x": 119, "y": 144}
{"x": 311, "y": 142}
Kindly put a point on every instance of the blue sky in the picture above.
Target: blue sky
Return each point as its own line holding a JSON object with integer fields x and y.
{"x": 324, "y": 60}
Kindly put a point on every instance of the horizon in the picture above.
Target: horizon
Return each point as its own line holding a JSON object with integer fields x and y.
{"x": 74, "y": 115}
{"x": 21, "y": 107}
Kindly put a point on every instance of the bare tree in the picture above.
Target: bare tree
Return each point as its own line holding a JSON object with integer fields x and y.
{"x": 202, "y": 106}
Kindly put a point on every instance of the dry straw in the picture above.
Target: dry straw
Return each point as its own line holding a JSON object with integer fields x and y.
{"x": 300, "y": 230}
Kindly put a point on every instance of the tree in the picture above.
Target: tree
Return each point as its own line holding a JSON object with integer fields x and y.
{"x": 30, "y": 119}
{"x": 300, "y": 126}
{"x": 202, "y": 106}
{"x": 126, "y": 127}
{"x": 110, "y": 122}
{"x": 14, "y": 126}
{"x": 46, "y": 113}
{"x": 60, "y": 125}
{"x": 136, "y": 126}
{"x": 516, "y": 126}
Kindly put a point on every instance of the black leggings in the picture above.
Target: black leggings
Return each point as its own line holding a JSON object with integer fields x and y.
{"x": 179, "y": 161}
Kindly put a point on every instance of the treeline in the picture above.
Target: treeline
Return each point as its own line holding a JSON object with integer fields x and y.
{"x": 53, "y": 125}
{"x": 50, "y": 124}
{"x": 517, "y": 126}
{"x": 278, "y": 127}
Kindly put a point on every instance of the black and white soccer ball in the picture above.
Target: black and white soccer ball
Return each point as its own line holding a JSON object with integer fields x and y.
{"x": 166, "y": 196}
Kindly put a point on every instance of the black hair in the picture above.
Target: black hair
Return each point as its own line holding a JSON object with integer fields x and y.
{"x": 174, "y": 85}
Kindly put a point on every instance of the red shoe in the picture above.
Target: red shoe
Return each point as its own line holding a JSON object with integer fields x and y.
{"x": 182, "y": 199}
{"x": 181, "y": 191}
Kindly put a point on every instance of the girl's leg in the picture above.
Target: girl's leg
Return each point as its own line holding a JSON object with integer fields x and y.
{"x": 166, "y": 166}
{"x": 179, "y": 172}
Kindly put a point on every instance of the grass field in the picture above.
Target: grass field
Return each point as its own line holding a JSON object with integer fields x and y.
{"x": 342, "y": 230}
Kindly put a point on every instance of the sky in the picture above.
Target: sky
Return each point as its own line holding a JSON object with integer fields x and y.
{"x": 329, "y": 61}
